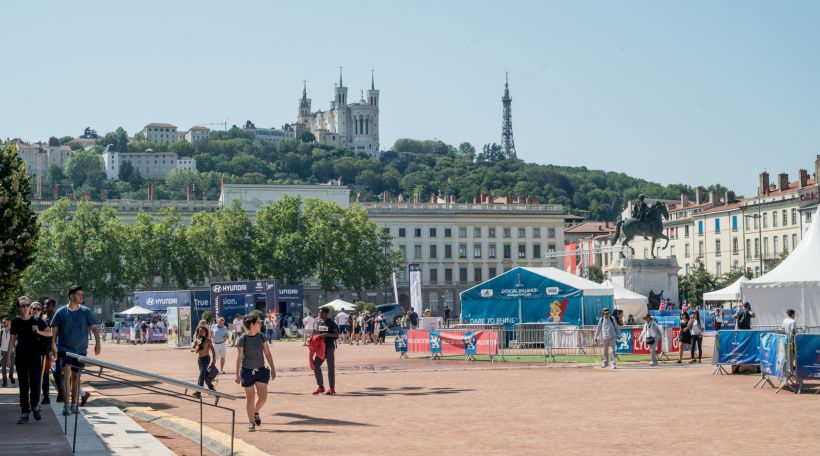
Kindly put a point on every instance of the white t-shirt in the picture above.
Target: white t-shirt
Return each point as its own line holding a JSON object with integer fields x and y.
{"x": 341, "y": 318}
{"x": 309, "y": 323}
{"x": 789, "y": 325}
{"x": 237, "y": 325}
{"x": 5, "y": 340}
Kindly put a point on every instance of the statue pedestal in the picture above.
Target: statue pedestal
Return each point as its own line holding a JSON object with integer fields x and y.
{"x": 648, "y": 275}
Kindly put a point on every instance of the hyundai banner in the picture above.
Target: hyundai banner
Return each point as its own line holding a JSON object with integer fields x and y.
{"x": 159, "y": 301}
{"x": 808, "y": 356}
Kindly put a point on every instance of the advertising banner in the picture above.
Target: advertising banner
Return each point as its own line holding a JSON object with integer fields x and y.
{"x": 486, "y": 342}
{"x": 808, "y": 356}
{"x": 470, "y": 341}
{"x": 401, "y": 342}
{"x": 418, "y": 341}
{"x": 233, "y": 305}
{"x": 739, "y": 347}
{"x": 624, "y": 343}
{"x": 160, "y": 300}
{"x": 773, "y": 354}
{"x": 639, "y": 347}
{"x": 452, "y": 343}
{"x": 435, "y": 341}
{"x": 675, "y": 342}
{"x": 200, "y": 303}
{"x": 415, "y": 288}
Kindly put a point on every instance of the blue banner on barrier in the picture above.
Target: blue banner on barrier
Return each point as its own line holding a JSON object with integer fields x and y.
{"x": 773, "y": 354}
{"x": 624, "y": 343}
{"x": 808, "y": 356}
{"x": 469, "y": 343}
{"x": 739, "y": 347}
{"x": 401, "y": 341}
{"x": 435, "y": 341}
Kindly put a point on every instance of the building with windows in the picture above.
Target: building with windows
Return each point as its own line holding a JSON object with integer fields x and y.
{"x": 160, "y": 133}
{"x": 196, "y": 134}
{"x": 39, "y": 156}
{"x": 148, "y": 163}
{"x": 271, "y": 135}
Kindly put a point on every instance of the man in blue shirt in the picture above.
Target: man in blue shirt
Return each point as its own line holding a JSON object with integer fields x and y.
{"x": 70, "y": 326}
{"x": 220, "y": 338}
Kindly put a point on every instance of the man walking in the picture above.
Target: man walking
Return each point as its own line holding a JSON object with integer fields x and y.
{"x": 446, "y": 316}
{"x": 70, "y": 326}
{"x": 25, "y": 331}
{"x": 744, "y": 317}
{"x": 341, "y": 321}
{"x": 651, "y": 335}
{"x": 6, "y": 352}
{"x": 236, "y": 330}
{"x": 328, "y": 331}
{"x": 607, "y": 333}
{"x": 220, "y": 341}
{"x": 413, "y": 317}
{"x": 308, "y": 325}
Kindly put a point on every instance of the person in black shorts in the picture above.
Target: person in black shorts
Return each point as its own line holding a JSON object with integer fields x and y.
{"x": 25, "y": 331}
{"x": 251, "y": 372}
{"x": 328, "y": 331}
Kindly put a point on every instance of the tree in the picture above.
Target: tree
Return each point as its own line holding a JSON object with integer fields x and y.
{"x": 55, "y": 174}
{"x": 323, "y": 220}
{"x": 697, "y": 282}
{"x": 89, "y": 133}
{"x": 490, "y": 153}
{"x": 65, "y": 140}
{"x": 595, "y": 274}
{"x": 84, "y": 168}
{"x": 280, "y": 241}
{"x": 307, "y": 137}
{"x": 731, "y": 277}
{"x": 221, "y": 244}
{"x": 53, "y": 142}
{"x": 772, "y": 263}
{"x": 159, "y": 250}
{"x": 18, "y": 225}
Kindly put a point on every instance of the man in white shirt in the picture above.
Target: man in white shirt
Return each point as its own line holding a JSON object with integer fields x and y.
{"x": 309, "y": 324}
{"x": 607, "y": 333}
{"x": 790, "y": 327}
{"x": 341, "y": 320}
{"x": 237, "y": 328}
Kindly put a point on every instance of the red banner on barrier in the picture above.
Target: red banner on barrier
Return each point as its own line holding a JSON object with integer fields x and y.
{"x": 452, "y": 343}
{"x": 418, "y": 341}
{"x": 675, "y": 339}
{"x": 639, "y": 347}
{"x": 486, "y": 342}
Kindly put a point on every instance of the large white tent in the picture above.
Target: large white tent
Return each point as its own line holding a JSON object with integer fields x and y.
{"x": 136, "y": 310}
{"x": 339, "y": 304}
{"x": 627, "y": 300}
{"x": 730, "y": 293}
{"x": 794, "y": 283}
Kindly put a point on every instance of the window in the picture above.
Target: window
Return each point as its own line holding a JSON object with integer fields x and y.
{"x": 432, "y": 232}
{"x": 765, "y": 248}
{"x": 700, "y": 227}
{"x": 448, "y": 232}
{"x": 386, "y": 230}
{"x": 417, "y": 232}
{"x": 402, "y": 232}
{"x": 717, "y": 247}
{"x": 476, "y": 250}
{"x": 522, "y": 250}
{"x": 448, "y": 251}
{"x": 671, "y": 252}
{"x": 808, "y": 216}
{"x": 491, "y": 251}
{"x": 765, "y": 220}
{"x": 434, "y": 275}
{"x": 448, "y": 275}
{"x": 462, "y": 274}
{"x": 507, "y": 232}
{"x": 757, "y": 248}
{"x": 522, "y": 232}
{"x": 717, "y": 225}
{"x": 785, "y": 218}
{"x": 433, "y": 251}
{"x": 785, "y": 243}
{"x": 491, "y": 232}
{"x": 551, "y": 233}
{"x": 735, "y": 266}
{"x": 774, "y": 219}
{"x": 794, "y": 241}
{"x": 493, "y": 273}
{"x": 646, "y": 253}
{"x": 794, "y": 218}
{"x": 477, "y": 232}
{"x": 700, "y": 248}
{"x": 734, "y": 223}
{"x": 748, "y": 251}
{"x": 477, "y": 274}
{"x": 403, "y": 250}
{"x": 734, "y": 246}
{"x": 686, "y": 231}
{"x": 536, "y": 232}
{"x": 775, "y": 245}
{"x": 536, "y": 251}
{"x": 462, "y": 232}
{"x": 462, "y": 250}
{"x": 756, "y": 223}
{"x": 757, "y": 271}
{"x": 550, "y": 247}
{"x": 717, "y": 269}
{"x": 507, "y": 251}
{"x": 416, "y": 252}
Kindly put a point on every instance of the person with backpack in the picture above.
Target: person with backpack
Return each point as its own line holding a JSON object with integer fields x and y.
{"x": 651, "y": 336}
{"x": 744, "y": 317}
{"x": 607, "y": 333}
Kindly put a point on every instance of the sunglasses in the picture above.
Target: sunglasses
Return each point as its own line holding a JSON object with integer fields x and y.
{"x": 36, "y": 308}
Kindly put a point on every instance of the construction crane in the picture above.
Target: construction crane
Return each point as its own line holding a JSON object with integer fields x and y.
{"x": 224, "y": 124}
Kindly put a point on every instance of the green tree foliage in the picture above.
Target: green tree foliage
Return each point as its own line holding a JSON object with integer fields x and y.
{"x": 280, "y": 241}
{"x": 159, "y": 251}
{"x": 772, "y": 263}
{"x": 367, "y": 307}
{"x": 65, "y": 140}
{"x": 595, "y": 274}
{"x": 221, "y": 244}
{"x": 697, "y": 282}
{"x": 18, "y": 225}
{"x": 84, "y": 169}
{"x": 731, "y": 277}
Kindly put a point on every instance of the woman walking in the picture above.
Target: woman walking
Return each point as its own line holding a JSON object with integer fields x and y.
{"x": 251, "y": 372}
{"x": 685, "y": 337}
{"x": 25, "y": 331}
{"x": 206, "y": 355}
{"x": 696, "y": 329}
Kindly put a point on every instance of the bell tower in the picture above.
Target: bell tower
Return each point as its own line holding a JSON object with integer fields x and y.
{"x": 304, "y": 105}
{"x": 341, "y": 109}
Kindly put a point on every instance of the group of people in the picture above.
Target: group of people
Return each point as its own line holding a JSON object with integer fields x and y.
{"x": 36, "y": 343}
{"x": 609, "y": 328}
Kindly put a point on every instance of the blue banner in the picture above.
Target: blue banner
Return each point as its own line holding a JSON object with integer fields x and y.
{"x": 773, "y": 354}
{"x": 201, "y": 302}
{"x": 232, "y": 305}
{"x": 469, "y": 343}
{"x": 739, "y": 347}
{"x": 401, "y": 341}
{"x": 808, "y": 356}
{"x": 435, "y": 341}
{"x": 160, "y": 300}
{"x": 624, "y": 343}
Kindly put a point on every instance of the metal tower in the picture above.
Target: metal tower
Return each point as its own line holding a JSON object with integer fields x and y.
{"x": 507, "y": 142}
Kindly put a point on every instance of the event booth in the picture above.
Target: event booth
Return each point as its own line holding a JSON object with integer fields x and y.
{"x": 239, "y": 298}
{"x": 731, "y": 293}
{"x": 627, "y": 300}
{"x": 535, "y": 295}
{"x": 794, "y": 283}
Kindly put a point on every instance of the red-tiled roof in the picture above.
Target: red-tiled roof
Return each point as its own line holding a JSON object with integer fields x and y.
{"x": 592, "y": 227}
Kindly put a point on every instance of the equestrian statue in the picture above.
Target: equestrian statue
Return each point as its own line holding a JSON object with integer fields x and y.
{"x": 646, "y": 221}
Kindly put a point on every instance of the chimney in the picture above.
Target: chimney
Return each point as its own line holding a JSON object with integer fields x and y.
{"x": 684, "y": 200}
{"x": 697, "y": 196}
{"x": 783, "y": 181}
{"x": 150, "y": 192}
{"x": 433, "y": 199}
{"x": 730, "y": 197}
{"x": 476, "y": 200}
{"x": 189, "y": 192}
{"x": 483, "y": 198}
{"x": 763, "y": 190}
{"x": 817, "y": 170}
{"x": 386, "y": 196}
{"x": 103, "y": 194}
{"x": 804, "y": 177}
{"x": 713, "y": 198}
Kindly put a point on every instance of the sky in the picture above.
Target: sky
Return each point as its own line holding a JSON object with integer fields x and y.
{"x": 695, "y": 92}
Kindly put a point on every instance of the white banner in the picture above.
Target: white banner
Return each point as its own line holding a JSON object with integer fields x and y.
{"x": 395, "y": 289}
{"x": 415, "y": 288}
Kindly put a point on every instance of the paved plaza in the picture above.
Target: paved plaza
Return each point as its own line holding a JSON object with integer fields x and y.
{"x": 454, "y": 407}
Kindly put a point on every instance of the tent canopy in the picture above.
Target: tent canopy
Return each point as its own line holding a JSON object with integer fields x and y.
{"x": 730, "y": 293}
{"x": 339, "y": 304}
{"x": 534, "y": 295}
{"x": 627, "y": 300}
{"x": 136, "y": 310}
{"x": 794, "y": 283}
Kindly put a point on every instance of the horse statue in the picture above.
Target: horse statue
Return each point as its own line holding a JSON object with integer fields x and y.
{"x": 649, "y": 226}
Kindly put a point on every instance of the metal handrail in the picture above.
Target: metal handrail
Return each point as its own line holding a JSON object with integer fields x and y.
{"x": 86, "y": 361}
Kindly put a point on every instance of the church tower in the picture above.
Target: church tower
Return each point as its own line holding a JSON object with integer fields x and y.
{"x": 304, "y": 106}
{"x": 341, "y": 109}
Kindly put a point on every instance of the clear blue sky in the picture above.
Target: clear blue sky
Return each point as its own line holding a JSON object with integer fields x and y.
{"x": 718, "y": 90}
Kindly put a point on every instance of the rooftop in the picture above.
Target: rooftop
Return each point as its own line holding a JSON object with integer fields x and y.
{"x": 160, "y": 125}
{"x": 594, "y": 228}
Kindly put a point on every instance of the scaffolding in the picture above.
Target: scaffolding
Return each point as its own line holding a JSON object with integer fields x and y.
{"x": 585, "y": 254}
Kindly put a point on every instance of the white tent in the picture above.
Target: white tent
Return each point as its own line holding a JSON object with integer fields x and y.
{"x": 339, "y": 304}
{"x": 730, "y": 293}
{"x": 794, "y": 283}
{"x": 136, "y": 310}
{"x": 627, "y": 300}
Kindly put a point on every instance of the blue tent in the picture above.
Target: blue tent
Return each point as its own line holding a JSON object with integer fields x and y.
{"x": 535, "y": 295}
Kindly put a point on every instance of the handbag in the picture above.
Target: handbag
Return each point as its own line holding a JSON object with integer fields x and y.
{"x": 650, "y": 339}
{"x": 212, "y": 373}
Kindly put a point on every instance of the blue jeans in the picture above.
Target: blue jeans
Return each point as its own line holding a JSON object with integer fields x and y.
{"x": 204, "y": 362}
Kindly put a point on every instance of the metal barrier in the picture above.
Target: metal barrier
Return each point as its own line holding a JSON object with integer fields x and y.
{"x": 99, "y": 366}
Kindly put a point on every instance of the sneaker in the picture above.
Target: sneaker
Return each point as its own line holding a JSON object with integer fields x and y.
{"x": 256, "y": 419}
{"x": 604, "y": 366}
{"x": 331, "y": 392}
{"x": 74, "y": 409}
{"x": 319, "y": 390}
{"x": 84, "y": 399}
{"x": 614, "y": 366}
{"x": 252, "y": 427}
{"x": 46, "y": 401}
{"x": 12, "y": 381}
{"x": 37, "y": 415}
{"x": 197, "y": 394}
{"x": 66, "y": 410}
{"x": 23, "y": 419}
